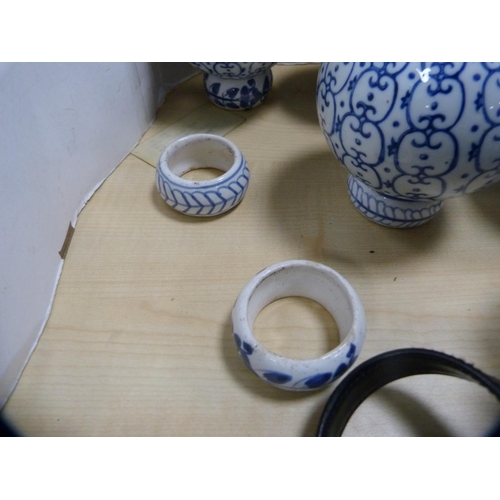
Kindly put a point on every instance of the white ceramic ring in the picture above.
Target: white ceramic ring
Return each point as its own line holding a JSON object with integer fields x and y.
{"x": 202, "y": 198}
{"x": 303, "y": 279}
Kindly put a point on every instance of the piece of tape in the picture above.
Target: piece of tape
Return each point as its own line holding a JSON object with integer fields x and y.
{"x": 208, "y": 119}
{"x": 67, "y": 241}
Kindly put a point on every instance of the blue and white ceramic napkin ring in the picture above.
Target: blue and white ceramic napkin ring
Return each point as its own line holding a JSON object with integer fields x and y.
{"x": 208, "y": 197}
{"x": 304, "y": 279}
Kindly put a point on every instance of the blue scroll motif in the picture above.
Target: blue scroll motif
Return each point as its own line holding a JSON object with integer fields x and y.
{"x": 414, "y": 131}
{"x": 377, "y": 210}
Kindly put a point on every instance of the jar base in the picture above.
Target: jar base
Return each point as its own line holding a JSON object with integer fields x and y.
{"x": 238, "y": 93}
{"x": 388, "y": 211}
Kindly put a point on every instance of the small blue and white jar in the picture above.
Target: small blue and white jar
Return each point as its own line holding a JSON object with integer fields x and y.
{"x": 411, "y": 134}
{"x": 237, "y": 85}
{"x": 204, "y": 198}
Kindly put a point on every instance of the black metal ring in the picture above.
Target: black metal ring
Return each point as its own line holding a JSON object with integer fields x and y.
{"x": 388, "y": 367}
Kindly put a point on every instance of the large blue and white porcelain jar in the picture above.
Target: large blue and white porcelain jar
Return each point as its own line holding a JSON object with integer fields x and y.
{"x": 411, "y": 134}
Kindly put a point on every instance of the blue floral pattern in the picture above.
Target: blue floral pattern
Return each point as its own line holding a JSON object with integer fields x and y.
{"x": 246, "y": 95}
{"x": 237, "y": 85}
{"x": 277, "y": 377}
{"x": 245, "y": 350}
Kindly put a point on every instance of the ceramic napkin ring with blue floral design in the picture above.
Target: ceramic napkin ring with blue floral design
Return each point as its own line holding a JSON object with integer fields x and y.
{"x": 314, "y": 281}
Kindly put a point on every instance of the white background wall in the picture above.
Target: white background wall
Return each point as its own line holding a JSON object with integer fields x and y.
{"x": 64, "y": 128}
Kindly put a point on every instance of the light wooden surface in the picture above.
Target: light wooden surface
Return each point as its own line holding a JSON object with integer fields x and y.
{"x": 139, "y": 340}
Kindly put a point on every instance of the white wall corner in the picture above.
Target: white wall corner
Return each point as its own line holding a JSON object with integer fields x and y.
{"x": 65, "y": 128}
